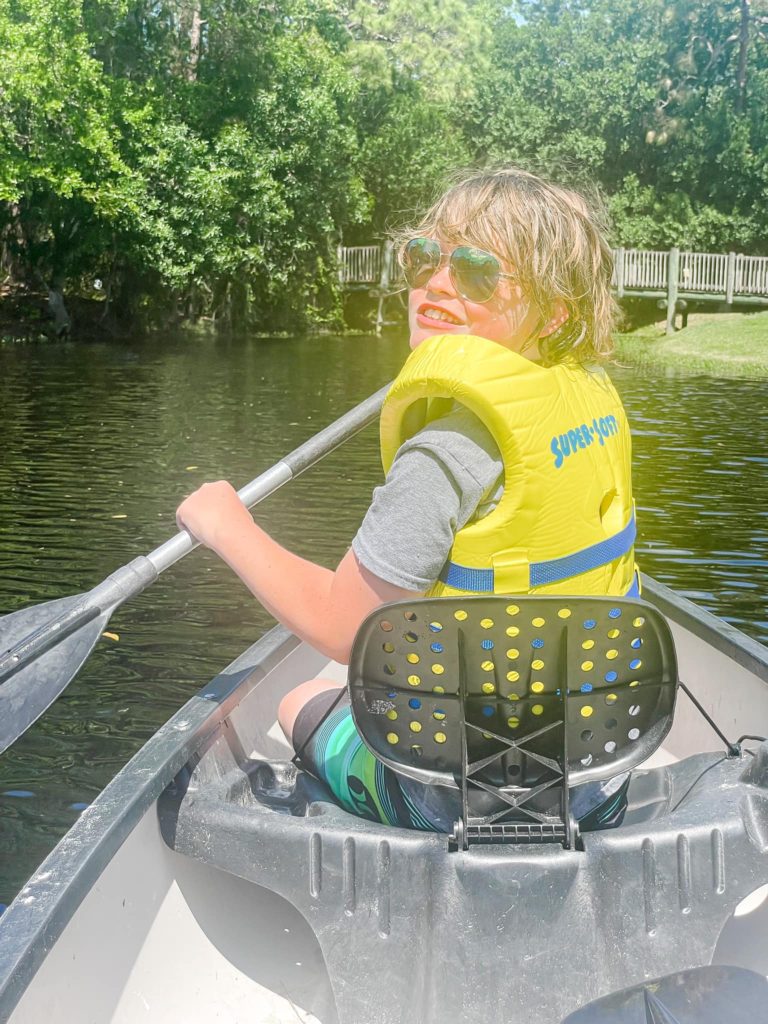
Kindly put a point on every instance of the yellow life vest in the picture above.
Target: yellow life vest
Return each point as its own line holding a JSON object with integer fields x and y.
{"x": 565, "y": 522}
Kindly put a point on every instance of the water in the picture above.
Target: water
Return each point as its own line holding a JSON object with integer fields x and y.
{"x": 100, "y": 442}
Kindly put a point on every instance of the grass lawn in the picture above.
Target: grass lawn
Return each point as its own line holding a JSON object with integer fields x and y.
{"x": 721, "y": 344}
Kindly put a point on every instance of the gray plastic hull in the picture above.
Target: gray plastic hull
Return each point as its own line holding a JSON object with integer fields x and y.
{"x": 119, "y": 926}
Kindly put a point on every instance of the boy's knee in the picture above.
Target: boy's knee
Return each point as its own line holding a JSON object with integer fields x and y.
{"x": 292, "y": 703}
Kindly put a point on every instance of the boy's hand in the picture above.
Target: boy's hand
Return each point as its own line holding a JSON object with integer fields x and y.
{"x": 213, "y": 513}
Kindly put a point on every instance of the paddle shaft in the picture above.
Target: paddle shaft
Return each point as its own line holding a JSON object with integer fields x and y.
{"x": 136, "y": 576}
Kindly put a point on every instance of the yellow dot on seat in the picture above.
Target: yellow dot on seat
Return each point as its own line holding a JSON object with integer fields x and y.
{"x": 538, "y": 621}
{"x": 537, "y": 664}
{"x": 415, "y": 726}
{"x": 438, "y": 689}
{"x": 389, "y": 648}
{"x": 489, "y": 688}
{"x": 513, "y": 676}
{"x": 564, "y": 613}
{"x": 613, "y": 633}
{"x": 486, "y": 623}
{"x": 392, "y": 737}
{"x": 587, "y": 645}
{"x": 611, "y": 698}
{"x": 513, "y": 631}
{"x": 537, "y": 709}
{"x": 392, "y": 715}
{"x": 440, "y": 737}
{"x": 611, "y": 654}
{"x": 587, "y": 666}
{"x": 513, "y": 721}
{"x": 513, "y": 696}
{"x": 639, "y": 621}
{"x": 512, "y": 609}
{"x": 414, "y": 659}
{"x": 460, "y": 615}
{"x": 537, "y": 687}
{"x": 634, "y": 683}
{"x": 414, "y": 680}
{"x": 487, "y": 666}
{"x": 438, "y": 669}
{"x": 586, "y": 711}
{"x": 513, "y": 653}
{"x": 438, "y": 715}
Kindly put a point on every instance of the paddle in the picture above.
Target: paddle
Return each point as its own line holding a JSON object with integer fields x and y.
{"x": 45, "y": 645}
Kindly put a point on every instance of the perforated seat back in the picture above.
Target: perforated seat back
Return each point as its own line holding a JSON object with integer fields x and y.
{"x": 520, "y": 685}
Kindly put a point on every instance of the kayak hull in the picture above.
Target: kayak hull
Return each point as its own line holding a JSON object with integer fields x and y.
{"x": 117, "y": 926}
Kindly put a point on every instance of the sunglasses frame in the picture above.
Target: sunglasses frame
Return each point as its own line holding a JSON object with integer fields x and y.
{"x": 455, "y": 274}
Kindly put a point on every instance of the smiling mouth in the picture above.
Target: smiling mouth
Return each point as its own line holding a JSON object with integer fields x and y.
{"x": 438, "y": 315}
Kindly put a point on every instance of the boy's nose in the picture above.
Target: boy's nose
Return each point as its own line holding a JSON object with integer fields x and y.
{"x": 441, "y": 281}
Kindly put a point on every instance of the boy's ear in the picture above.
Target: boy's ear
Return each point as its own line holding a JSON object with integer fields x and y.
{"x": 557, "y": 318}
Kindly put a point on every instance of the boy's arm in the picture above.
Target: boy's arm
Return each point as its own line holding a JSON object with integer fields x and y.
{"x": 323, "y": 607}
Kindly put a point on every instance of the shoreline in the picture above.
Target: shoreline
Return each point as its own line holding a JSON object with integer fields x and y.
{"x": 715, "y": 344}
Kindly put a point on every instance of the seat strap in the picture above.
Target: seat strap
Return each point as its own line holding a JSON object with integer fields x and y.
{"x": 554, "y": 570}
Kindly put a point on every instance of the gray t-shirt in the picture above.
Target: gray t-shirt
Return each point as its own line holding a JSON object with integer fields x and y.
{"x": 444, "y": 476}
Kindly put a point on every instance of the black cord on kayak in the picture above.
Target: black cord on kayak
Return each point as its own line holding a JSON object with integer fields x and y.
{"x": 749, "y": 736}
{"x": 733, "y": 749}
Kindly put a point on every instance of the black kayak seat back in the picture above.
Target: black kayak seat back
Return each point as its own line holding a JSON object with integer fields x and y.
{"x": 513, "y": 695}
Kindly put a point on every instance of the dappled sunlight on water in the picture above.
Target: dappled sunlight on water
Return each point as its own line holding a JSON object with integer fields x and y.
{"x": 100, "y": 442}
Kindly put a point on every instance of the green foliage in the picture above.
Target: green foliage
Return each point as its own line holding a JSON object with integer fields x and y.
{"x": 662, "y": 104}
{"x": 205, "y": 157}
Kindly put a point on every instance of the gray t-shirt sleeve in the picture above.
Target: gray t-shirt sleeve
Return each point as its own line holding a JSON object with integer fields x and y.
{"x": 439, "y": 480}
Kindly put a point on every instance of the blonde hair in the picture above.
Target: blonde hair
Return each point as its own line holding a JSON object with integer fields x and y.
{"x": 553, "y": 238}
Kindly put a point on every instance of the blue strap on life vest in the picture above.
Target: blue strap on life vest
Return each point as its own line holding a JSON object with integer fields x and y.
{"x": 481, "y": 581}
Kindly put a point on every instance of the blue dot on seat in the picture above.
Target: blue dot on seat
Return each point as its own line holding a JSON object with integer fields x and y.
{"x": 611, "y": 677}
{"x": 635, "y": 663}
{"x": 589, "y": 624}
{"x": 436, "y": 647}
{"x": 637, "y": 642}
{"x": 614, "y": 613}
{"x": 392, "y": 694}
{"x": 586, "y": 687}
{"x": 414, "y": 703}
{"x": 488, "y": 711}
{"x": 537, "y": 643}
{"x": 487, "y": 645}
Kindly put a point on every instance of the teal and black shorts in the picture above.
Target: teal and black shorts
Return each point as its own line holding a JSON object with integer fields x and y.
{"x": 329, "y": 747}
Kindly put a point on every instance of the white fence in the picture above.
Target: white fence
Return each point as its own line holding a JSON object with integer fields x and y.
{"x": 636, "y": 270}
{"x": 360, "y": 264}
{"x": 702, "y": 273}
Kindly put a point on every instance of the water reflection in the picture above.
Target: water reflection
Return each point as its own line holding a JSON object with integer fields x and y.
{"x": 100, "y": 442}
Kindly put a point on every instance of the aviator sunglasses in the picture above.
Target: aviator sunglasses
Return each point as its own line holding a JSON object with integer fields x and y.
{"x": 474, "y": 273}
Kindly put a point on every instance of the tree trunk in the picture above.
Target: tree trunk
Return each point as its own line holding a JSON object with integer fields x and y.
{"x": 741, "y": 81}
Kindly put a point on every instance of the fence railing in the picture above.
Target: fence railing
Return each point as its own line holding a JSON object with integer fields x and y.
{"x": 360, "y": 264}
{"x": 635, "y": 270}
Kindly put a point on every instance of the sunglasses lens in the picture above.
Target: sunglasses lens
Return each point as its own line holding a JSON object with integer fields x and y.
{"x": 475, "y": 273}
{"x": 421, "y": 258}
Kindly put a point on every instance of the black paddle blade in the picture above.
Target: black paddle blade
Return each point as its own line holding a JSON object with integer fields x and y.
{"x": 31, "y": 682}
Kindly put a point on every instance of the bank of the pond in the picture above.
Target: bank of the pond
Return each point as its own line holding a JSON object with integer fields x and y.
{"x": 721, "y": 344}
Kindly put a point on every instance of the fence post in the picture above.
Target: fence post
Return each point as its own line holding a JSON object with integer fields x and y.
{"x": 730, "y": 278}
{"x": 673, "y": 267}
{"x": 340, "y": 264}
{"x": 620, "y": 272}
{"x": 386, "y": 261}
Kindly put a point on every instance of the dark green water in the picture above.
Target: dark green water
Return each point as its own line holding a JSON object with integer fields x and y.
{"x": 100, "y": 443}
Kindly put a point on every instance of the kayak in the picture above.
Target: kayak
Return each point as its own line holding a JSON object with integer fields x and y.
{"x": 212, "y": 880}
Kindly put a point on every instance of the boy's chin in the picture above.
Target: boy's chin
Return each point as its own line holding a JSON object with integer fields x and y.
{"x": 419, "y": 334}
